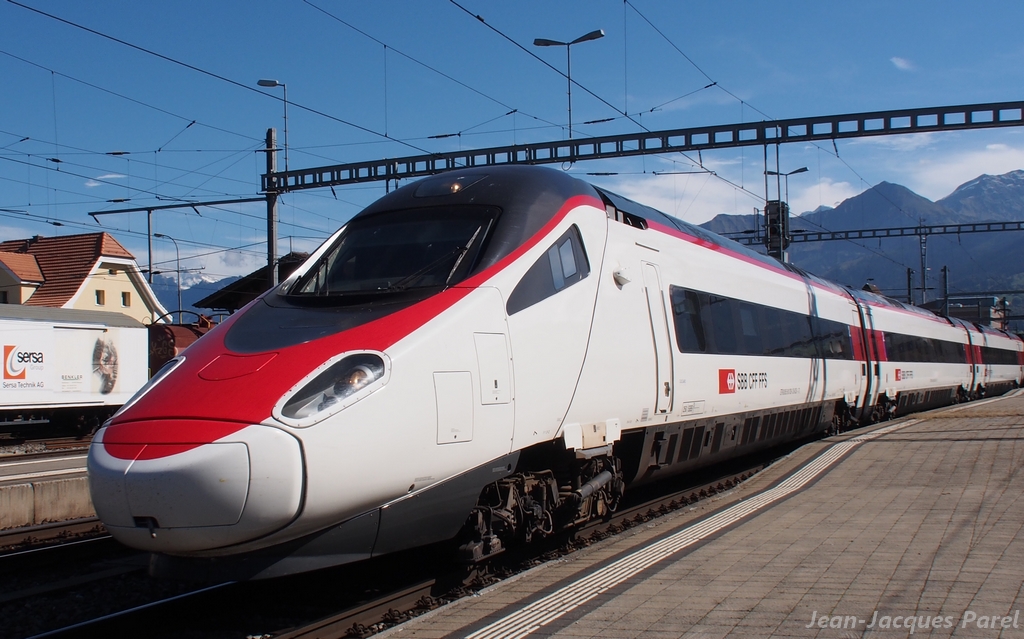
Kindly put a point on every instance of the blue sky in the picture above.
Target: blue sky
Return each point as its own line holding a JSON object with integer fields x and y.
{"x": 410, "y": 70}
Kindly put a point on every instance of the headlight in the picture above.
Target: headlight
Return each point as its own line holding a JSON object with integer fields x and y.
{"x": 334, "y": 386}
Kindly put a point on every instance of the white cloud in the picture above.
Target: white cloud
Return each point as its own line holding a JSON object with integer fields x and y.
{"x": 936, "y": 175}
{"x": 902, "y": 64}
{"x": 824, "y": 193}
{"x": 107, "y": 176}
{"x": 694, "y": 197}
{"x": 907, "y": 142}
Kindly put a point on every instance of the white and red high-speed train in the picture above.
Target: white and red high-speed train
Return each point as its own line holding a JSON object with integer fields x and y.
{"x": 495, "y": 354}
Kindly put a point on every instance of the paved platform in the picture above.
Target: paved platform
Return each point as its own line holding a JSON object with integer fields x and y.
{"x": 913, "y": 527}
{"x": 37, "y": 491}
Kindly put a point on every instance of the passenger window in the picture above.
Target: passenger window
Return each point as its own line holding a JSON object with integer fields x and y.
{"x": 686, "y": 312}
{"x": 748, "y": 324}
{"x": 723, "y": 325}
{"x": 564, "y": 264}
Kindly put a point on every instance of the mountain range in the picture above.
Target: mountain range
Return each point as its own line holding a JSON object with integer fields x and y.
{"x": 166, "y": 289}
{"x": 977, "y": 262}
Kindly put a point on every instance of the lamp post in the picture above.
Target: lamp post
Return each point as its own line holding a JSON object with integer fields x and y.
{"x": 802, "y": 169}
{"x": 544, "y": 42}
{"x": 177, "y": 260}
{"x": 271, "y": 84}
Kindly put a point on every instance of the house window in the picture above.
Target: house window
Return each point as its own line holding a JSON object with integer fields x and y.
{"x": 101, "y": 297}
{"x": 126, "y": 299}
{"x": 3, "y": 297}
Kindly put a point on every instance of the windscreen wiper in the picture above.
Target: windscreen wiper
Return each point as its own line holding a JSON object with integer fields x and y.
{"x": 461, "y": 251}
{"x": 403, "y": 283}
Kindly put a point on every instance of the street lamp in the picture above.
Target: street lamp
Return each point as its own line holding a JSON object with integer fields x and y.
{"x": 544, "y": 42}
{"x": 802, "y": 169}
{"x": 271, "y": 84}
{"x": 177, "y": 259}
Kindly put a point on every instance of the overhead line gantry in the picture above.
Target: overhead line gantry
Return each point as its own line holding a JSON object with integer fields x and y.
{"x": 808, "y": 129}
{"x": 749, "y": 238}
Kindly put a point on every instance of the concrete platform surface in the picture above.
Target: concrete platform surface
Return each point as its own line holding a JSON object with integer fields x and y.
{"x": 913, "y": 527}
{"x": 37, "y": 491}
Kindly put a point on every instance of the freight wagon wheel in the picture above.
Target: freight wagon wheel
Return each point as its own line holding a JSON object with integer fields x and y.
{"x": 104, "y": 364}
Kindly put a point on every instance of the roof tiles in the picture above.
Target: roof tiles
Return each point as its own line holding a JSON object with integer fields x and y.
{"x": 23, "y": 265}
{"x": 64, "y": 261}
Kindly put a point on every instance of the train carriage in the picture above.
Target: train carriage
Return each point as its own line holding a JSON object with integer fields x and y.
{"x": 488, "y": 356}
{"x": 998, "y": 360}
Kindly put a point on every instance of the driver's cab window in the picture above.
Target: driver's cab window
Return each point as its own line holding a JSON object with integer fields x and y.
{"x": 561, "y": 266}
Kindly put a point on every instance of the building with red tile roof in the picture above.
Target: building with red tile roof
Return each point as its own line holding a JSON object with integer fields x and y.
{"x": 19, "y": 277}
{"x": 91, "y": 271}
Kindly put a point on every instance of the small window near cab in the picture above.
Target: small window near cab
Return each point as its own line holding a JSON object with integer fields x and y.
{"x": 561, "y": 266}
{"x": 686, "y": 309}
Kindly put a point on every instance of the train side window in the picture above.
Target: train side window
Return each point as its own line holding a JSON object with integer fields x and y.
{"x": 799, "y": 338}
{"x": 723, "y": 325}
{"x": 773, "y": 337}
{"x": 686, "y": 311}
{"x": 749, "y": 329}
{"x": 561, "y": 266}
{"x": 833, "y": 338}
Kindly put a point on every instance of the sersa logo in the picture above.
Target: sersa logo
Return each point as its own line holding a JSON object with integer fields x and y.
{"x": 13, "y": 368}
{"x": 726, "y": 380}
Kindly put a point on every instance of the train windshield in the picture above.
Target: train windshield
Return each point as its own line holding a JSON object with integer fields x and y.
{"x": 397, "y": 251}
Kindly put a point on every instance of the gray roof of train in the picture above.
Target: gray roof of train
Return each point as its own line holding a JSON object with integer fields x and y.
{"x": 48, "y": 314}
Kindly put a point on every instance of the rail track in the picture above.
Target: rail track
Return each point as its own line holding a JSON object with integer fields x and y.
{"x": 30, "y": 538}
{"x": 21, "y": 448}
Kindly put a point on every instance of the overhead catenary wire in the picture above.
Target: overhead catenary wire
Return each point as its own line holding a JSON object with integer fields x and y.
{"x": 211, "y": 74}
{"x": 125, "y": 154}
{"x": 421, "y": 63}
{"x": 42, "y": 219}
{"x": 128, "y": 98}
{"x": 101, "y": 180}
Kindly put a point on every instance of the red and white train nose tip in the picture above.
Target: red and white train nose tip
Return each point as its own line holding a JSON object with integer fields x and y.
{"x": 185, "y": 485}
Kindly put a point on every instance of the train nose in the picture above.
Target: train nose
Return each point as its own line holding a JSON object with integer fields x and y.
{"x": 182, "y": 486}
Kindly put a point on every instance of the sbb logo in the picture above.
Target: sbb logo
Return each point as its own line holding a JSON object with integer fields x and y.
{"x": 726, "y": 380}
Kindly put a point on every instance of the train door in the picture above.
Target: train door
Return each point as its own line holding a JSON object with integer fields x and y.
{"x": 860, "y": 371}
{"x": 549, "y": 319}
{"x": 973, "y": 361}
{"x": 984, "y": 369}
{"x": 658, "y": 312}
{"x": 871, "y": 369}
